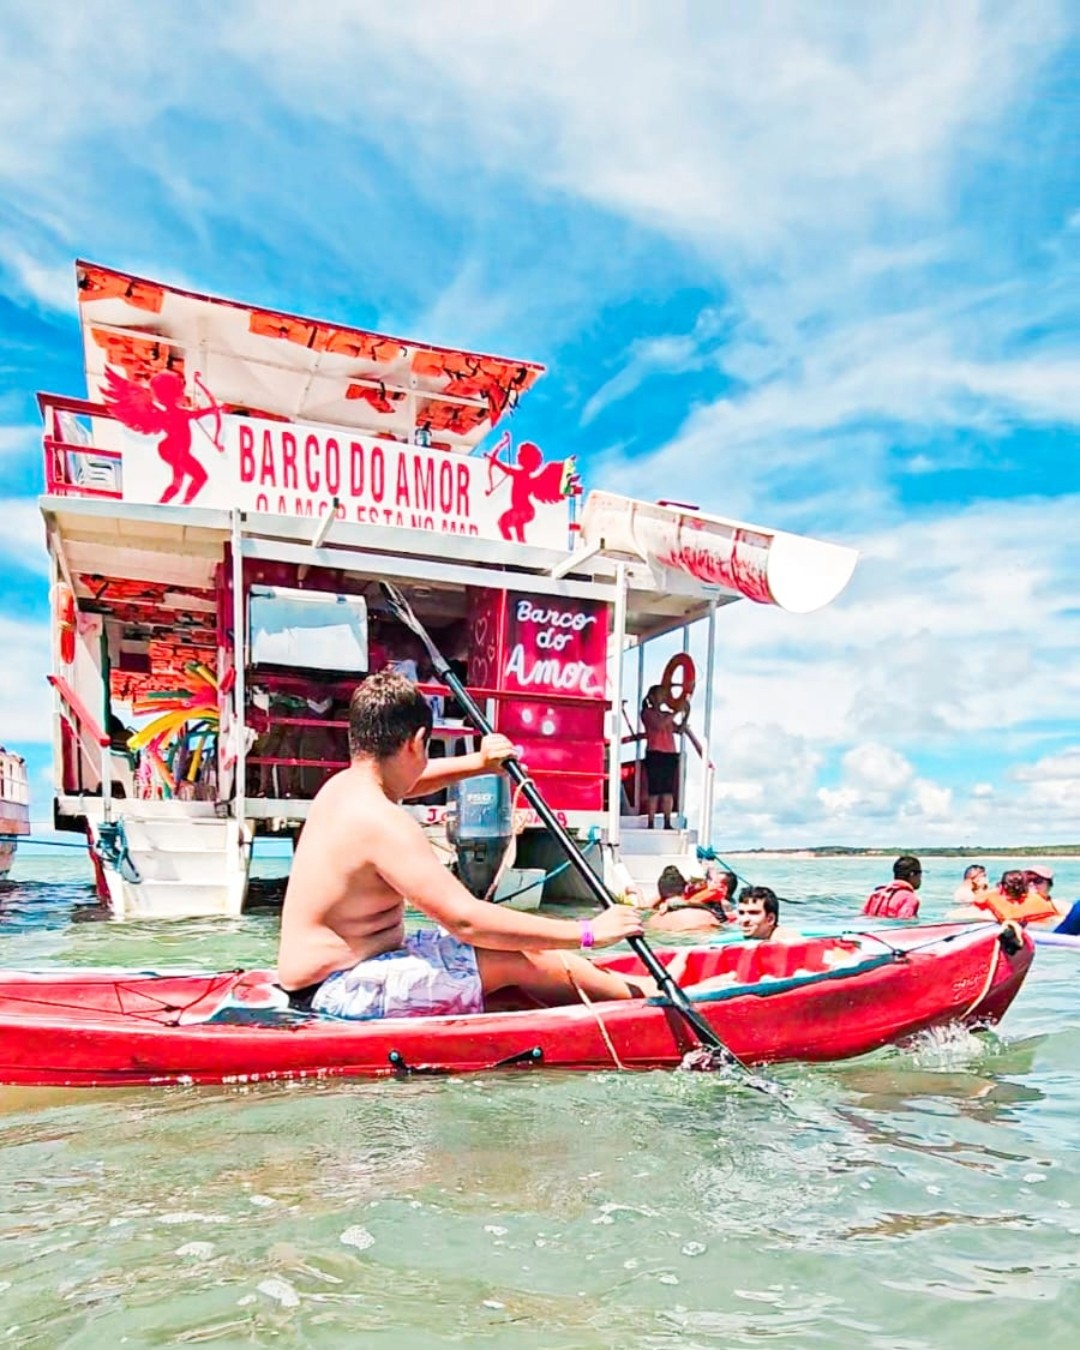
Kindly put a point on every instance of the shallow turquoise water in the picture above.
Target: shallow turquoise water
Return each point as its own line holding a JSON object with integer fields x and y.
{"x": 920, "y": 1198}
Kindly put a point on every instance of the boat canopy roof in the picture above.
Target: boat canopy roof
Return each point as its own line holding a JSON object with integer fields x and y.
{"x": 272, "y": 364}
{"x": 679, "y": 562}
{"x": 687, "y": 548}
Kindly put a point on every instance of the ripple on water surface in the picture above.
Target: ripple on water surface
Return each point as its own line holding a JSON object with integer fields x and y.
{"x": 923, "y": 1197}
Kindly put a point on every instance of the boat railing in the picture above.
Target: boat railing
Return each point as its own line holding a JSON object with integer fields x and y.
{"x": 280, "y": 764}
{"x": 74, "y": 465}
{"x": 91, "y": 743}
{"x": 14, "y": 786}
{"x": 708, "y": 778}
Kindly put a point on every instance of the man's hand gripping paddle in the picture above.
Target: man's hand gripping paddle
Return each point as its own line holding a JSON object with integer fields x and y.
{"x": 711, "y": 1053}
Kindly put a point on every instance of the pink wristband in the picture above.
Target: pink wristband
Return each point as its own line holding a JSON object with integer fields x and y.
{"x": 587, "y": 938}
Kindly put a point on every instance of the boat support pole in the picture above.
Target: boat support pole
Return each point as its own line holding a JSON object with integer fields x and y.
{"x": 712, "y": 1053}
{"x": 615, "y": 666}
{"x": 239, "y": 664}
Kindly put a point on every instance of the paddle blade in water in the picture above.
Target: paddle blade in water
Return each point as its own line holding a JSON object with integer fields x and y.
{"x": 716, "y": 1059}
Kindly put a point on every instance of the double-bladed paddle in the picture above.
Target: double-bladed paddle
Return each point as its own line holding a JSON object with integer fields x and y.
{"x": 717, "y": 1054}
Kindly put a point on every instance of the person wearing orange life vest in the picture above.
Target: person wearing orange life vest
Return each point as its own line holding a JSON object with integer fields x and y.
{"x": 687, "y": 908}
{"x": 897, "y": 898}
{"x": 1014, "y": 898}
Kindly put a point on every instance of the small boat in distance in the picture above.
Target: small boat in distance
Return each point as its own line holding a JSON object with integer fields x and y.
{"x": 818, "y": 999}
{"x": 14, "y": 806}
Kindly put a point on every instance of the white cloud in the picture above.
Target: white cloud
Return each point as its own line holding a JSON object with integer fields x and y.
{"x": 960, "y": 636}
{"x": 810, "y": 159}
{"x": 668, "y": 354}
{"x": 25, "y": 697}
{"x": 18, "y": 440}
{"x": 1057, "y": 769}
{"x": 22, "y": 541}
{"x": 49, "y": 283}
{"x": 736, "y": 133}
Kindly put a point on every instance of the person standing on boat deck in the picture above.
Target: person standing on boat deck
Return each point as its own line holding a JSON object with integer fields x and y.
{"x": 897, "y": 899}
{"x": 975, "y": 885}
{"x": 661, "y": 755}
{"x": 343, "y": 949}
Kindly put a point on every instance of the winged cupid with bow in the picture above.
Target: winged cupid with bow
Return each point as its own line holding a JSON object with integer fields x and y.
{"x": 157, "y": 410}
{"x": 531, "y": 481}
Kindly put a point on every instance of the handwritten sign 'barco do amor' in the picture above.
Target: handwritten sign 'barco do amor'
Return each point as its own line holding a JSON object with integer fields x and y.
{"x": 555, "y": 646}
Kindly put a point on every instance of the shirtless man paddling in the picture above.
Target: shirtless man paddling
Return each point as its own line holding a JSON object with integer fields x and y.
{"x": 343, "y": 948}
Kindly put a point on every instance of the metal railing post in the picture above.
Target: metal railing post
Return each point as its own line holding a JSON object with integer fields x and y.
{"x": 706, "y": 826}
{"x": 638, "y": 774}
{"x": 682, "y": 748}
{"x": 615, "y": 738}
{"x": 239, "y": 662}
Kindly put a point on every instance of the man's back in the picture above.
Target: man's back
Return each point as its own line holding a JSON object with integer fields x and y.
{"x": 338, "y": 908}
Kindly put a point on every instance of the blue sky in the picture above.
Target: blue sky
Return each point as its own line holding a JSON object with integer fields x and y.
{"x": 814, "y": 266}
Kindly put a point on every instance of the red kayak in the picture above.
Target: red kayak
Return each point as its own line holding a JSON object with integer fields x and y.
{"x": 818, "y": 999}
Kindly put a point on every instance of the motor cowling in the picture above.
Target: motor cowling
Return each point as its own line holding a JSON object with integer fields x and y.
{"x": 479, "y": 826}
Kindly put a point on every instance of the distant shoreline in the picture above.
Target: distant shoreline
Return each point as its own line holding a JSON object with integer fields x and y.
{"x": 1061, "y": 852}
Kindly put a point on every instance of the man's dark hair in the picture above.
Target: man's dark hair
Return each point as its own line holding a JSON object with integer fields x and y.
{"x": 670, "y": 883}
{"x": 906, "y": 868}
{"x": 385, "y": 712}
{"x": 730, "y": 880}
{"x": 1014, "y": 884}
{"x": 770, "y": 902}
{"x": 971, "y": 871}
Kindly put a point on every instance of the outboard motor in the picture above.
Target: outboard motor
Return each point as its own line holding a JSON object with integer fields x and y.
{"x": 480, "y": 826}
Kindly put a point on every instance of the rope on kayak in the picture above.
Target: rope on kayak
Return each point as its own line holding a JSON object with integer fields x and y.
{"x": 995, "y": 962}
{"x": 509, "y": 856}
{"x": 900, "y": 952}
{"x": 592, "y": 1008}
{"x": 135, "y": 986}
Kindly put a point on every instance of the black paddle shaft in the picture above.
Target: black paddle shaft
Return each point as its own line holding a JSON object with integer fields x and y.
{"x": 656, "y": 968}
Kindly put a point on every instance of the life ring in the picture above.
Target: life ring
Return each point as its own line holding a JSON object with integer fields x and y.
{"x": 65, "y": 622}
{"x": 681, "y": 667}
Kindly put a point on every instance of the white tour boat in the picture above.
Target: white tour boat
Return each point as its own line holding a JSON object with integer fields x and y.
{"x": 220, "y": 509}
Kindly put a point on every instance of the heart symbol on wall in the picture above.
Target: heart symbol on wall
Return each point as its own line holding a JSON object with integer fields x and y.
{"x": 484, "y": 651}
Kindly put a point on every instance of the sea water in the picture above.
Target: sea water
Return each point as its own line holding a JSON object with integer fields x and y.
{"x": 923, "y": 1197}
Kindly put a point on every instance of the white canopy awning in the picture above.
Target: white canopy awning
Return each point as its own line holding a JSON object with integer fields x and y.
{"x": 771, "y": 567}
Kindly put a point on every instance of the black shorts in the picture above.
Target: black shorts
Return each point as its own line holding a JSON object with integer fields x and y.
{"x": 661, "y": 767}
{"x": 300, "y": 999}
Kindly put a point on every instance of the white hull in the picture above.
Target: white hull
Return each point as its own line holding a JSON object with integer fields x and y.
{"x": 14, "y": 806}
{"x": 190, "y": 863}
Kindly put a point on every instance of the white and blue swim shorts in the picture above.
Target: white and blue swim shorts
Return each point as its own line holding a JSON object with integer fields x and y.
{"x": 433, "y": 975}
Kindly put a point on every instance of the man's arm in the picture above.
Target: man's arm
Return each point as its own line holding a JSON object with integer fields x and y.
{"x": 493, "y": 753}
{"x": 408, "y": 864}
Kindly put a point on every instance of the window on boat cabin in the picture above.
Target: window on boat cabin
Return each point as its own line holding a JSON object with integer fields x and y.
{"x": 292, "y": 630}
